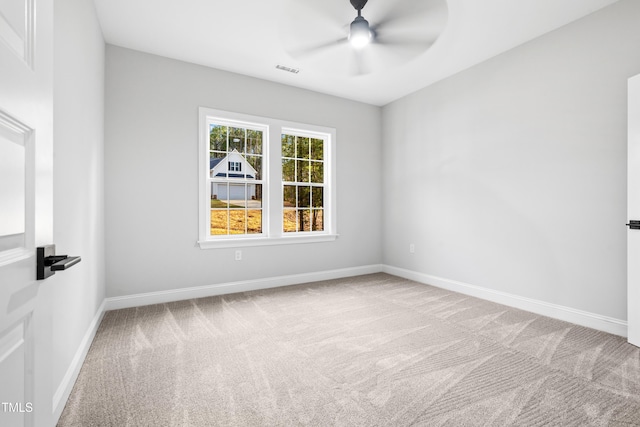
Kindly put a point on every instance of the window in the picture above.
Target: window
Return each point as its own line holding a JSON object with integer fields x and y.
{"x": 303, "y": 179}
{"x": 264, "y": 181}
{"x": 235, "y": 198}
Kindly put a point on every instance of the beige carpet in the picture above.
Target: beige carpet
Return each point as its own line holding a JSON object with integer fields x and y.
{"x": 374, "y": 350}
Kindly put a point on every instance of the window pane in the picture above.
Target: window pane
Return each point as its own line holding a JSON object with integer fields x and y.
{"x": 255, "y": 195}
{"x": 220, "y": 192}
{"x": 237, "y": 195}
{"x": 288, "y": 146}
{"x": 219, "y": 221}
{"x": 256, "y": 163}
{"x": 302, "y": 148}
{"x": 236, "y": 139}
{"x": 317, "y": 149}
{"x": 317, "y": 219}
{"x": 218, "y": 138}
{"x": 254, "y": 141}
{"x": 289, "y": 192}
{"x": 215, "y": 202}
{"x": 254, "y": 221}
{"x": 317, "y": 198}
{"x": 304, "y": 197}
{"x": 288, "y": 170}
{"x": 304, "y": 220}
{"x": 303, "y": 171}
{"x": 215, "y": 157}
{"x": 289, "y": 221}
{"x": 237, "y": 221}
{"x": 317, "y": 172}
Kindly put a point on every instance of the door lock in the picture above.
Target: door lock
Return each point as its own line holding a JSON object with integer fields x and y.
{"x": 634, "y": 224}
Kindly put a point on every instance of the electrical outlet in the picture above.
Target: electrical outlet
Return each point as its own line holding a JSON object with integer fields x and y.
{"x": 412, "y": 248}
{"x": 238, "y": 255}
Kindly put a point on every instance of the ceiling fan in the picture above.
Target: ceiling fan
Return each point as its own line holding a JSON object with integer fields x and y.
{"x": 396, "y": 32}
{"x": 360, "y": 33}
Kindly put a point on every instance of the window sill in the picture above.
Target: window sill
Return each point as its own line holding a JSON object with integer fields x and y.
{"x": 265, "y": 241}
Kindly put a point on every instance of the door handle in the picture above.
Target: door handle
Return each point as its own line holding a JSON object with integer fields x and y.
{"x": 634, "y": 224}
{"x": 61, "y": 262}
{"x": 48, "y": 262}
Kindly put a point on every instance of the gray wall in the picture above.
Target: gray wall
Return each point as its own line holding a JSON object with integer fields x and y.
{"x": 517, "y": 168}
{"x": 151, "y": 175}
{"x": 78, "y": 176}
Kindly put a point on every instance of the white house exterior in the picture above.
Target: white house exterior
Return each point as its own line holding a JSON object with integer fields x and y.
{"x": 233, "y": 167}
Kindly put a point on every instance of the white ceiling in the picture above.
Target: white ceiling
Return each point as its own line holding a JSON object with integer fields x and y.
{"x": 252, "y": 36}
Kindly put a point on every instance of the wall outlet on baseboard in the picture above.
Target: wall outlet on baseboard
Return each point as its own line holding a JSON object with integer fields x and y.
{"x": 412, "y": 248}
{"x": 238, "y": 255}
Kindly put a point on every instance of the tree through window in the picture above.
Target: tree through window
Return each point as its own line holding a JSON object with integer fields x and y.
{"x": 303, "y": 180}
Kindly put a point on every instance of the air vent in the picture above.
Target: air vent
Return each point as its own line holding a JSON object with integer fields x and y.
{"x": 289, "y": 69}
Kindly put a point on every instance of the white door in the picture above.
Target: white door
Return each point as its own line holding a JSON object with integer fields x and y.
{"x": 26, "y": 210}
{"x": 633, "y": 213}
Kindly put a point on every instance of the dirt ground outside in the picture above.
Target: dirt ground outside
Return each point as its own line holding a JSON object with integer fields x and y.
{"x": 249, "y": 221}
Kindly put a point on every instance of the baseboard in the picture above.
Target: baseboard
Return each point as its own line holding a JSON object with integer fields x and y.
{"x": 69, "y": 379}
{"x": 568, "y": 314}
{"x": 137, "y": 300}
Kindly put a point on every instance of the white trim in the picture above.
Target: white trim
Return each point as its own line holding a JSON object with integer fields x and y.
{"x": 66, "y": 385}
{"x": 137, "y": 300}
{"x": 240, "y": 242}
{"x": 11, "y": 341}
{"x": 633, "y": 209}
{"x": 21, "y": 134}
{"x": 14, "y": 255}
{"x": 10, "y": 37}
{"x": 21, "y": 46}
{"x": 567, "y": 314}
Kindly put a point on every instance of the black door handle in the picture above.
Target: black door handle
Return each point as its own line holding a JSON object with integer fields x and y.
{"x": 634, "y": 224}
{"x": 47, "y": 262}
{"x": 66, "y": 262}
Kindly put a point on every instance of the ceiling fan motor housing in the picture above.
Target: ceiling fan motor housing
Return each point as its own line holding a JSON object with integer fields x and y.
{"x": 359, "y": 26}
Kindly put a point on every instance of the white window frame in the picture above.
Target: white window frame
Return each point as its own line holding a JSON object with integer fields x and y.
{"x": 272, "y": 198}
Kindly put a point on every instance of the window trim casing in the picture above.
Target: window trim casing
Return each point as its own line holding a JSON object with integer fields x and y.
{"x": 272, "y": 233}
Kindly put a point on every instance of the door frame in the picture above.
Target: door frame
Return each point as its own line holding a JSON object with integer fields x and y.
{"x": 633, "y": 211}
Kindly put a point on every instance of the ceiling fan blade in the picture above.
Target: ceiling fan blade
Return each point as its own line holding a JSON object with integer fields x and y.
{"x": 412, "y": 10}
{"x": 420, "y": 44}
{"x": 400, "y": 52}
{"x": 360, "y": 64}
{"x": 317, "y": 10}
{"x": 314, "y": 49}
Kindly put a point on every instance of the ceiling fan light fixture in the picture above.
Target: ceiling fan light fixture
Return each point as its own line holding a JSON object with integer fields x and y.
{"x": 359, "y": 32}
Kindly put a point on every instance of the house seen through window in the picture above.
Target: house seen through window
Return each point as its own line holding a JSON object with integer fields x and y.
{"x": 236, "y": 197}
